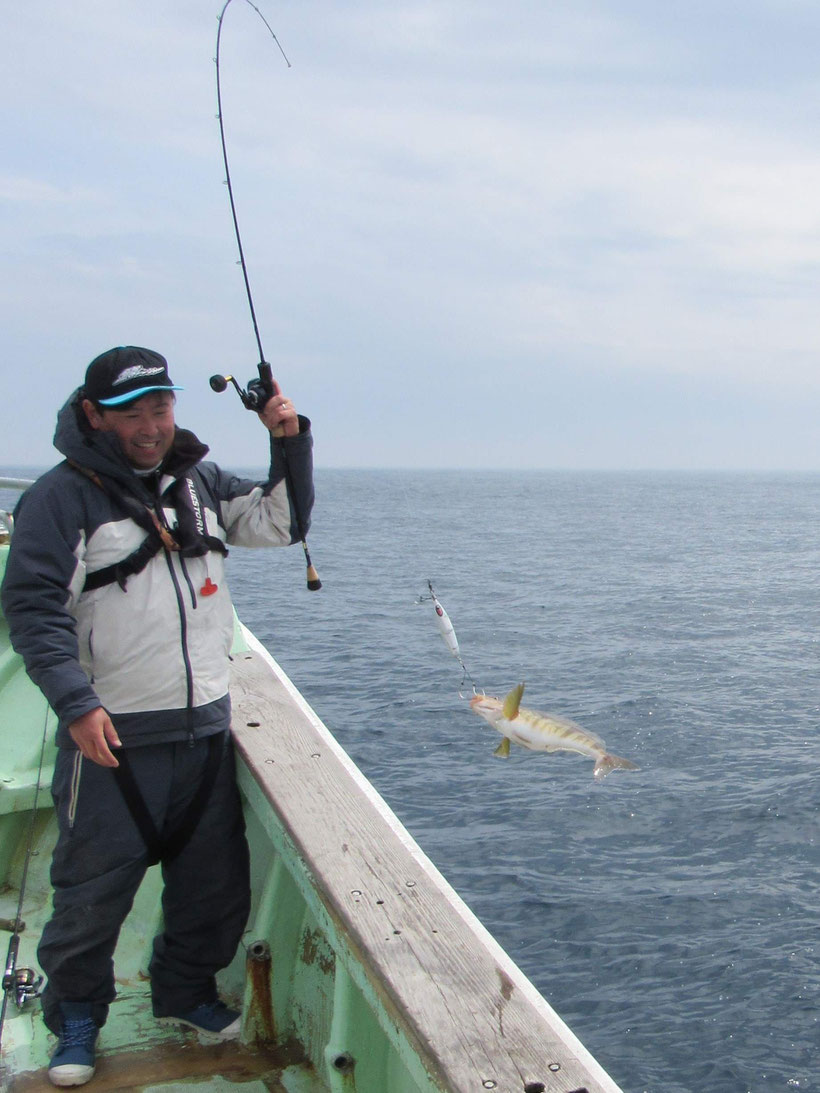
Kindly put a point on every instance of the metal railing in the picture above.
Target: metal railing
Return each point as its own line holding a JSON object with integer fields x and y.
{"x": 6, "y": 518}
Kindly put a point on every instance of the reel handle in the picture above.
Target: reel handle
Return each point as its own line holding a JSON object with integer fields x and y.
{"x": 220, "y": 383}
{"x": 258, "y": 393}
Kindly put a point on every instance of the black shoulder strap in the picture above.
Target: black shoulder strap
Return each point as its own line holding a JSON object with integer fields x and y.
{"x": 121, "y": 571}
{"x": 190, "y": 537}
{"x": 157, "y": 537}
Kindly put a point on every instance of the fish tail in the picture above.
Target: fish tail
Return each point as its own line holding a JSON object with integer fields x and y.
{"x": 611, "y": 762}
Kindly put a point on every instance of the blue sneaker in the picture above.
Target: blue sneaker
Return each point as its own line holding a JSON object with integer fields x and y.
{"x": 213, "y": 1019}
{"x": 73, "y": 1061}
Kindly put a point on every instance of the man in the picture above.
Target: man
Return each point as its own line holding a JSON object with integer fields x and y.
{"x": 116, "y": 598}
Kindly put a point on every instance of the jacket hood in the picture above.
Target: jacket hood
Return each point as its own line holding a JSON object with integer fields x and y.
{"x": 101, "y": 451}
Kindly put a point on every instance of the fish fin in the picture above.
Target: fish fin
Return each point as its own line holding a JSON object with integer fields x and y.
{"x": 512, "y": 702}
{"x": 611, "y": 762}
{"x": 503, "y": 749}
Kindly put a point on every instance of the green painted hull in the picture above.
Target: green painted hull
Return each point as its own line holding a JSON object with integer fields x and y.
{"x": 360, "y": 970}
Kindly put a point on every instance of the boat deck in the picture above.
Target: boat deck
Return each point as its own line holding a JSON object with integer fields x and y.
{"x": 169, "y": 1057}
{"x": 176, "y": 1066}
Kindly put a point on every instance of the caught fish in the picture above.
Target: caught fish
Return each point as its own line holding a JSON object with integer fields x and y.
{"x": 544, "y": 732}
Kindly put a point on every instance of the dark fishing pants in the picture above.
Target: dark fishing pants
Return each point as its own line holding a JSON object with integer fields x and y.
{"x": 101, "y": 857}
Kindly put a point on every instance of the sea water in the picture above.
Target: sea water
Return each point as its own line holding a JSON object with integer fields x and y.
{"x": 669, "y": 915}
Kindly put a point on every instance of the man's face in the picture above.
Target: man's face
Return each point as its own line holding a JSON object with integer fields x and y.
{"x": 144, "y": 427}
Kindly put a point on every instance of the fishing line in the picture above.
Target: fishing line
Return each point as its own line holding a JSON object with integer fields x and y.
{"x": 259, "y": 391}
{"x": 445, "y": 625}
{"x": 228, "y": 182}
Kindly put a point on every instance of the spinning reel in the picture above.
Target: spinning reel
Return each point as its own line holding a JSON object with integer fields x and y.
{"x": 258, "y": 392}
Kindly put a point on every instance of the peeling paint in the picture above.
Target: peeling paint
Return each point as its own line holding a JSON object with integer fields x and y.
{"x": 316, "y": 950}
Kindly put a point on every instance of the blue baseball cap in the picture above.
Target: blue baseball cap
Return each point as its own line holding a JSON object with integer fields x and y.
{"x": 126, "y": 373}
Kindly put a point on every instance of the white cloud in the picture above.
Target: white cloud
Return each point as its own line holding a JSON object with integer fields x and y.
{"x": 458, "y": 192}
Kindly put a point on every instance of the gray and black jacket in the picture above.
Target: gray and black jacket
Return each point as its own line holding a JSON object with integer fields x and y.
{"x": 151, "y": 647}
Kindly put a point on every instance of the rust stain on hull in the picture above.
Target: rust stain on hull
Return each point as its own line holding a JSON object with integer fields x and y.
{"x": 259, "y": 1022}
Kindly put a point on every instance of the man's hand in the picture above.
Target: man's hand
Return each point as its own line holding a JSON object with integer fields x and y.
{"x": 279, "y": 415}
{"x": 92, "y": 733}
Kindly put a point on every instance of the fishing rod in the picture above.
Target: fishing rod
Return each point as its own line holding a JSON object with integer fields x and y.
{"x": 22, "y": 984}
{"x": 258, "y": 391}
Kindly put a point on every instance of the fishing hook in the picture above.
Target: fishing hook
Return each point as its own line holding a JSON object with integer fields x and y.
{"x": 258, "y": 391}
{"x": 476, "y": 690}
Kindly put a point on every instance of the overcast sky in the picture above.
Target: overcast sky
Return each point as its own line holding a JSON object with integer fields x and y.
{"x": 530, "y": 233}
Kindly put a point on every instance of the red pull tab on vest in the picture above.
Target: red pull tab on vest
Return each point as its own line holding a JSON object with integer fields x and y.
{"x": 208, "y": 588}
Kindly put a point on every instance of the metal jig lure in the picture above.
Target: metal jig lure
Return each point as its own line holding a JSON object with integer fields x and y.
{"x": 448, "y": 634}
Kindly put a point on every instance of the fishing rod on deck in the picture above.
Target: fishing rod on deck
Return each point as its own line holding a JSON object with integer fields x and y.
{"x": 258, "y": 391}
{"x": 21, "y": 985}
